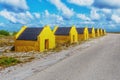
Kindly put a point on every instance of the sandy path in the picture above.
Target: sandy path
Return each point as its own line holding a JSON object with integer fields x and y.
{"x": 101, "y": 61}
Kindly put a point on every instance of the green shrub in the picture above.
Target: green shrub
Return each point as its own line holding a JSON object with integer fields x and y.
{"x": 14, "y": 33}
{"x": 8, "y": 61}
{"x": 3, "y": 32}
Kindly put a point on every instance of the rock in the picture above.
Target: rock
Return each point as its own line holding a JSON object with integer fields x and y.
{"x": 7, "y": 50}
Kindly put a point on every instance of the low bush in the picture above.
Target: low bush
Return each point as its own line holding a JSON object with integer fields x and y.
{"x": 5, "y": 33}
{"x": 8, "y": 61}
{"x": 14, "y": 33}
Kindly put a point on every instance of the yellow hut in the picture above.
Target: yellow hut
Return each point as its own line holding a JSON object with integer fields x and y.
{"x": 104, "y": 32}
{"x": 101, "y": 31}
{"x": 34, "y": 39}
{"x": 65, "y": 34}
{"x": 83, "y": 34}
{"x": 91, "y": 32}
{"x": 97, "y": 34}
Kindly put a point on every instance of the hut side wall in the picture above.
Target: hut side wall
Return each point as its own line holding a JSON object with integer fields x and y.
{"x": 60, "y": 39}
{"x": 21, "y": 45}
{"x": 81, "y": 37}
{"x": 92, "y": 35}
{"x": 97, "y": 34}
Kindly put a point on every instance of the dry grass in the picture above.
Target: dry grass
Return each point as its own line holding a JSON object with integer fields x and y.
{"x": 6, "y": 41}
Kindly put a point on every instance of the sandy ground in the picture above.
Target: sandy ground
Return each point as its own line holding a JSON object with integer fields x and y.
{"x": 22, "y": 71}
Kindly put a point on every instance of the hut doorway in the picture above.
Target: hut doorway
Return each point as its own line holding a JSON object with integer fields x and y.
{"x": 46, "y": 43}
{"x": 73, "y": 38}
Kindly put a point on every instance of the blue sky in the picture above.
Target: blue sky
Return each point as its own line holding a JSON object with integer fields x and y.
{"x": 37, "y": 13}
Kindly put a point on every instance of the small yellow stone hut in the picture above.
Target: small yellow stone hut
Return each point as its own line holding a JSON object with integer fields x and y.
{"x": 100, "y": 31}
{"x": 65, "y": 34}
{"x": 34, "y": 39}
{"x": 82, "y": 34}
{"x": 91, "y": 32}
{"x": 104, "y": 32}
{"x": 97, "y": 34}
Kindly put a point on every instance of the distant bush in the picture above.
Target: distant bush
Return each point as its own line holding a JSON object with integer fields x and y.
{"x": 14, "y": 33}
{"x": 5, "y": 33}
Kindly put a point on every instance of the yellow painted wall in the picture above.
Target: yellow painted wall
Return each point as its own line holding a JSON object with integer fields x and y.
{"x": 101, "y": 32}
{"x": 73, "y": 34}
{"x": 81, "y": 37}
{"x": 86, "y": 34}
{"x": 92, "y": 35}
{"x": 97, "y": 34}
{"x": 22, "y": 45}
{"x": 59, "y": 39}
{"x": 46, "y": 34}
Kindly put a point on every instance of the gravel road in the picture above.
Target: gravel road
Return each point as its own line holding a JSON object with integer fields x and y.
{"x": 100, "y": 61}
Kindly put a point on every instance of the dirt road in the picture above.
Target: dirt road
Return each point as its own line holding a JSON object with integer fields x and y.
{"x": 100, "y": 61}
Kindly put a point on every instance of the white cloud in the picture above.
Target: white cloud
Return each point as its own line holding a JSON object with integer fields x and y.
{"x": 16, "y": 17}
{"x": 83, "y": 17}
{"x": 53, "y": 16}
{"x": 48, "y": 18}
{"x": 87, "y": 22}
{"x": 94, "y": 15}
{"x": 28, "y": 14}
{"x": 58, "y": 18}
{"x": 115, "y": 18}
{"x": 105, "y": 10}
{"x": 82, "y": 2}
{"x": 47, "y": 13}
{"x": 116, "y": 11}
{"x": 2, "y": 24}
{"x": 112, "y": 26}
{"x": 37, "y": 15}
{"x": 62, "y": 7}
{"x": 8, "y": 15}
{"x": 21, "y": 4}
{"x": 107, "y": 3}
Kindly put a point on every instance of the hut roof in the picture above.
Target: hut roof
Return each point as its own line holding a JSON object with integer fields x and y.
{"x": 30, "y": 34}
{"x": 90, "y": 30}
{"x": 80, "y": 30}
{"x": 63, "y": 31}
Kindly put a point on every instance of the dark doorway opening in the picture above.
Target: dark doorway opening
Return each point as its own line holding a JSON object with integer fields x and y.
{"x": 73, "y": 38}
{"x": 46, "y": 43}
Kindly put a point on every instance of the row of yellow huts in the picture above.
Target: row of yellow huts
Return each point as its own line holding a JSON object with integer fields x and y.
{"x": 40, "y": 39}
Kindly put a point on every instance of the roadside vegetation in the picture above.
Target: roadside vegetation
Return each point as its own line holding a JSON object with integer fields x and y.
{"x": 8, "y": 61}
{"x": 6, "y": 41}
{"x": 4, "y": 33}
{"x": 6, "y": 38}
